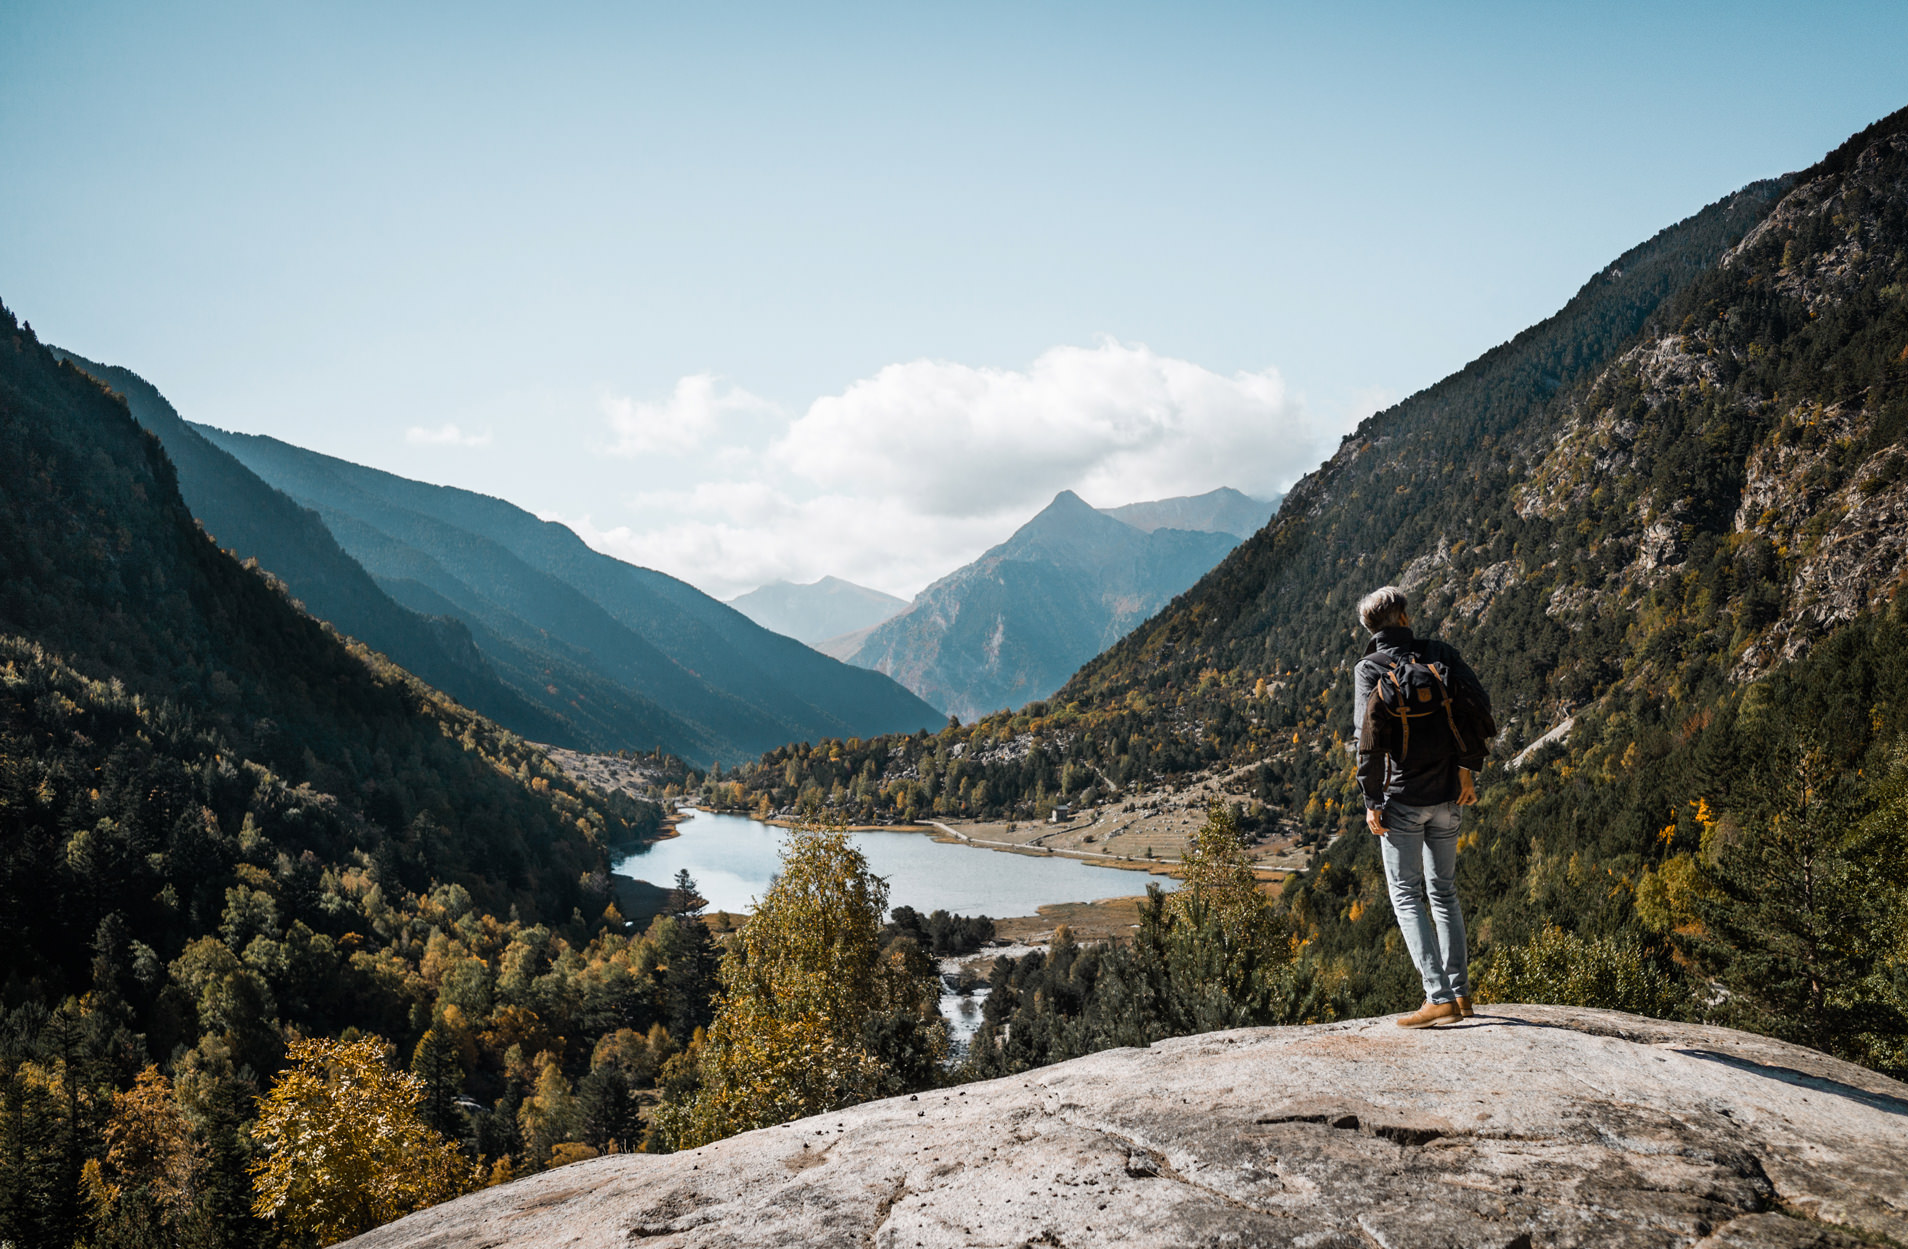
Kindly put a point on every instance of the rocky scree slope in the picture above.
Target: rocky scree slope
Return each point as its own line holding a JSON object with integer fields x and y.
{"x": 1525, "y": 1126}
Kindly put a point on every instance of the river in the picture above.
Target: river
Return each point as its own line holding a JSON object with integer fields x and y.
{"x": 733, "y": 859}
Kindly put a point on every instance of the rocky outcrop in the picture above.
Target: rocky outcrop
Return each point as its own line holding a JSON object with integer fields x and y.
{"x": 1526, "y": 1126}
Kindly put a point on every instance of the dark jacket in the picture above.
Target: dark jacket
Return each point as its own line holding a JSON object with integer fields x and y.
{"x": 1429, "y": 783}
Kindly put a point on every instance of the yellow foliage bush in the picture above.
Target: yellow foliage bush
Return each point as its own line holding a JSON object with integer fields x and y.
{"x": 344, "y": 1148}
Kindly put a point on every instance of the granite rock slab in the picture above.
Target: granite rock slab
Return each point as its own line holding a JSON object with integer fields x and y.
{"x": 1526, "y": 1126}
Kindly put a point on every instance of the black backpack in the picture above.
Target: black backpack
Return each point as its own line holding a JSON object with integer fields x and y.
{"x": 1417, "y": 717}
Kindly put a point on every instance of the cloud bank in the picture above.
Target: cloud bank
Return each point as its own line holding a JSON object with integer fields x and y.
{"x": 1108, "y": 420}
{"x": 905, "y": 475}
{"x": 693, "y": 411}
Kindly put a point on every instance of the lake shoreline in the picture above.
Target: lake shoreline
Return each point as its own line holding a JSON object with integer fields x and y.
{"x": 733, "y": 857}
{"x": 946, "y": 835}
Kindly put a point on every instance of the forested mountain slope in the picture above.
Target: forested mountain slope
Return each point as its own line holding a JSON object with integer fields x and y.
{"x": 255, "y": 521}
{"x": 1408, "y": 485}
{"x": 1011, "y": 626}
{"x": 1183, "y": 691}
{"x": 548, "y": 610}
{"x": 1588, "y": 506}
{"x": 225, "y": 827}
{"x": 136, "y": 646}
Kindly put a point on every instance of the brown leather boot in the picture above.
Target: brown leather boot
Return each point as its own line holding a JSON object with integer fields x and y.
{"x": 1464, "y": 1006}
{"x": 1429, "y": 1014}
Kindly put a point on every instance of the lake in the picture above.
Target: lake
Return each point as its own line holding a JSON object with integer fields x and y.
{"x": 733, "y": 857}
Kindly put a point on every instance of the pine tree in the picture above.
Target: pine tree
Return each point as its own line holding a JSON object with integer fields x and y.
{"x": 1801, "y": 889}
{"x": 437, "y": 1064}
{"x": 606, "y": 1110}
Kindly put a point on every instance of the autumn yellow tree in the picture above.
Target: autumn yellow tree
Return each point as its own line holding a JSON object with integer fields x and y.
{"x": 813, "y": 1014}
{"x": 345, "y": 1144}
{"x": 146, "y": 1189}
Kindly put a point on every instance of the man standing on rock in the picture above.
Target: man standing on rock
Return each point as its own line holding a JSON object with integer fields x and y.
{"x": 1419, "y": 708}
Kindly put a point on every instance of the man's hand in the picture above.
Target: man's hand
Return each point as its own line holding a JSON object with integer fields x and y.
{"x": 1375, "y": 820}
{"x": 1467, "y": 788}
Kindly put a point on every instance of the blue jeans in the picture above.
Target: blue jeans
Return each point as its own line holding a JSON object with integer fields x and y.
{"x": 1421, "y": 843}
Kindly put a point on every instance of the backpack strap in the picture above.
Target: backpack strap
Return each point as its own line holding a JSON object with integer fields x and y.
{"x": 1444, "y": 686}
{"x": 1404, "y": 717}
{"x": 1456, "y": 735}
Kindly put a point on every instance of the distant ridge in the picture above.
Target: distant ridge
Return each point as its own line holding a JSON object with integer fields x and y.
{"x": 253, "y": 520}
{"x": 817, "y": 611}
{"x": 1224, "y": 510}
{"x": 581, "y": 627}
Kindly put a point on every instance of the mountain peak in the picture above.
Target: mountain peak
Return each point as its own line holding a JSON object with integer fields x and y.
{"x": 1069, "y": 519}
{"x": 1008, "y": 627}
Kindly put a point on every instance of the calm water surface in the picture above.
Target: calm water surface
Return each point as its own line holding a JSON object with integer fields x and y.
{"x": 733, "y": 858}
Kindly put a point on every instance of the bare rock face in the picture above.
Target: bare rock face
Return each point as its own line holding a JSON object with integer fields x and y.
{"x": 1527, "y": 1126}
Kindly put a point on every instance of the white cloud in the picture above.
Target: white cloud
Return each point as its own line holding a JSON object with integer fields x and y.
{"x": 904, "y": 476}
{"x": 445, "y": 435}
{"x": 1115, "y": 422}
{"x": 693, "y": 410}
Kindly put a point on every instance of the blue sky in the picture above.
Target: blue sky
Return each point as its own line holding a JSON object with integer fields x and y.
{"x": 746, "y": 291}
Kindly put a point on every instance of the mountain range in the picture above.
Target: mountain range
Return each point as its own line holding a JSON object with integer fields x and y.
{"x": 174, "y": 710}
{"x": 1013, "y": 625}
{"x": 514, "y": 616}
{"x": 549, "y": 611}
{"x": 257, "y": 522}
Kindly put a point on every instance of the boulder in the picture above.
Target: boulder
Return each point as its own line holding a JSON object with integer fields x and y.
{"x": 1526, "y": 1126}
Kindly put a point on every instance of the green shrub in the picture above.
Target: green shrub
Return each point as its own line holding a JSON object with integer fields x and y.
{"x": 1563, "y": 969}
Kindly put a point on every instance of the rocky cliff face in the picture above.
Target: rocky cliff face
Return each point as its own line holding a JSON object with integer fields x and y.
{"x": 1805, "y": 473}
{"x": 1526, "y": 1126}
